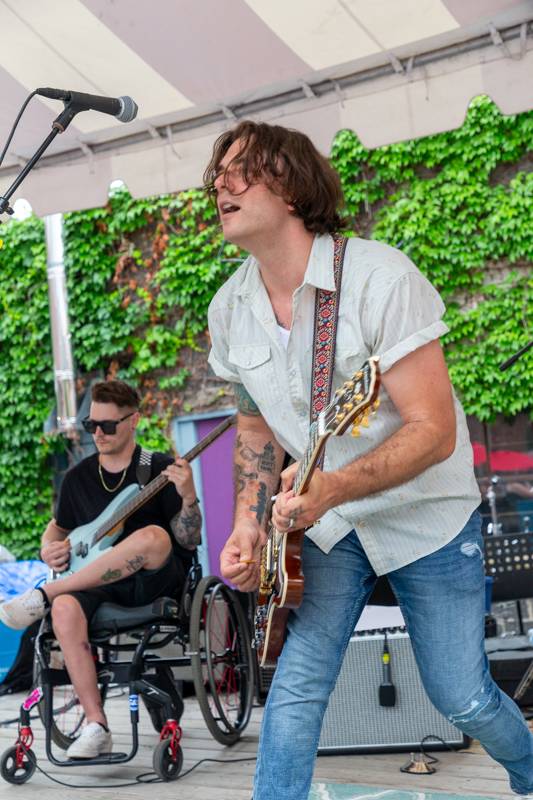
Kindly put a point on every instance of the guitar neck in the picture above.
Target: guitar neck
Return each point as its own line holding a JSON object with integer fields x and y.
{"x": 158, "y": 483}
{"x": 310, "y": 459}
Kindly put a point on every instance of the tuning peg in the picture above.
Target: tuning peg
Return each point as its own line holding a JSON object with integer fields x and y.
{"x": 347, "y": 406}
{"x": 339, "y": 416}
{"x": 364, "y": 422}
{"x": 339, "y": 392}
{"x": 355, "y": 431}
{"x": 349, "y": 384}
{"x": 358, "y": 397}
{"x": 375, "y": 404}
{"x": 358, "y": 375}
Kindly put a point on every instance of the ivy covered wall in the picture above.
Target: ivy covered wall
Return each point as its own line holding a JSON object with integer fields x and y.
{"x": 141, "y": 274}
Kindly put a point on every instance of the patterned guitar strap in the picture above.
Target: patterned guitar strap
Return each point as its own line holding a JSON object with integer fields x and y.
{"x": 144, "y": 468}
{"x": 326, "y": 317}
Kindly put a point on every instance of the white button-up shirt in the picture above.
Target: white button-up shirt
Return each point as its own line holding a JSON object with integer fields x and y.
{"x": 387, "y": 308}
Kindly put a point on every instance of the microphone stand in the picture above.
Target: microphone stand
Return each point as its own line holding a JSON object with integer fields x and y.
{"x": 510, "y": 361}
{"x": 59, "y": 125}
{"x": 527, "y": 678}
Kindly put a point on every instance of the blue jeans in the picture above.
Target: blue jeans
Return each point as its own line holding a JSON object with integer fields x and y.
{"x": 442, "y": 598}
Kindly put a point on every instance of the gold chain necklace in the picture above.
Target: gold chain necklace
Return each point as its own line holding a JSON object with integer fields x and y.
{"x": 119, "y": 484}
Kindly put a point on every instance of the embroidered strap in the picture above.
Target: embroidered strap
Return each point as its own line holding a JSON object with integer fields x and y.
{"x": 326, "y": 315}
{"x": 144, "y": 468}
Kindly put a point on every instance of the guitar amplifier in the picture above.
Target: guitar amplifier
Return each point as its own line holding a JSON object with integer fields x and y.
{"x": 355, "y": 722}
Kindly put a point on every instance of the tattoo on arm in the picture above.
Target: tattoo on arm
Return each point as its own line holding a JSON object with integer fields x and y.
{"x": 245, "y": 402}
{"x": 187, "y": 527}
{"x": 261, "y": 505}
{"x": 240, "y": 477}
{"x": 134, "y": 564}
{"x": 111, "y": 575}
{"x": 254, "y": 474}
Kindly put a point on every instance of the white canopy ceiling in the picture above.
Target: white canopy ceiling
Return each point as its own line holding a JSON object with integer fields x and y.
{"x": 388, "y": 69}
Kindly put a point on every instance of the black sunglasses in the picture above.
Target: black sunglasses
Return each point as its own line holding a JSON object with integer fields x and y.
{"x": 107, "y": 426}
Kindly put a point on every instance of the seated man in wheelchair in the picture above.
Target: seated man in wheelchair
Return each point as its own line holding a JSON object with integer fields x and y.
{"x": 149, "y": 560}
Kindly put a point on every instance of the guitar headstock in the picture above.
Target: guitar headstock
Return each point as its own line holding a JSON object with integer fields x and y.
{"x": 354, "y": 401}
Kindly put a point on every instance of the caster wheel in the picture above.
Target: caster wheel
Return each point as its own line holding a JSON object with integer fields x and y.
{"x": 13, "y": 774}
{"x": 164, "y": 766}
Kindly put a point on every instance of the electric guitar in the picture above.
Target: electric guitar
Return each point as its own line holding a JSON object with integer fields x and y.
{"x": 88, "y": 542}
{"x": 281, "y": 581}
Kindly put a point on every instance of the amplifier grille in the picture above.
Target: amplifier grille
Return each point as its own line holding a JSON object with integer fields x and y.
{"x": 355, "y": 721}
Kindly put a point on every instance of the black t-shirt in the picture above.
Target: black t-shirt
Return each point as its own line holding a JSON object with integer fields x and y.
{"x": 82, "y": 497}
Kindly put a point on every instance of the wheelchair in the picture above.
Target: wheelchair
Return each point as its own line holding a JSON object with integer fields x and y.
{"x": 212, "y": 628}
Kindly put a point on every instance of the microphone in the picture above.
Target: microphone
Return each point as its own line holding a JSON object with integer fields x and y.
{"x": 387, "y": 690}
{"x": 123, "y": 108}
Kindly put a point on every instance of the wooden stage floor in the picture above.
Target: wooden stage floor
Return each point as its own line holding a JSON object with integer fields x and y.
{"x": 469, "y": 772}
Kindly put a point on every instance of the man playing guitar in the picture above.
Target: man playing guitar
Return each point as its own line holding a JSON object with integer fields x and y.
{"x": 401, "y": 500}
{"x": 149, "y": 560}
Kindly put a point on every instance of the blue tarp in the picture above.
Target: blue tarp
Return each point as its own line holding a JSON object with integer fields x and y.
{"x": 15, "y": 578}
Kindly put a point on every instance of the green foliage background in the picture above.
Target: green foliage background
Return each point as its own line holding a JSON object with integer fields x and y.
{"x": 141, "y": 274}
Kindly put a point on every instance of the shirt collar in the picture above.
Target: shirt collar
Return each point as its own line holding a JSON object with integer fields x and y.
{"x": 319, "y": 271}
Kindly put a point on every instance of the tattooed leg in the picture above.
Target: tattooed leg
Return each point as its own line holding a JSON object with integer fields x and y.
{"x": 147, "y": 548}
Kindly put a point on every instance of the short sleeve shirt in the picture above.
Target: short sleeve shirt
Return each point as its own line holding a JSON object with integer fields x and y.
{"x": 387, "y": 308}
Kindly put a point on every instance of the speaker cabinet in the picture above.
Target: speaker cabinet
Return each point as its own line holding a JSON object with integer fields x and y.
{"x": 355, "y": 722}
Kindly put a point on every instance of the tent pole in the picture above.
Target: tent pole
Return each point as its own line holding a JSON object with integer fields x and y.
{"x": 64, "y": 377}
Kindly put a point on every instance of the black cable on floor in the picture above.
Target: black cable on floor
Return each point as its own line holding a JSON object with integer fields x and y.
{"x": 144, "y": 777}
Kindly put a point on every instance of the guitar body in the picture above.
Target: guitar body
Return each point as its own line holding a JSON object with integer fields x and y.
{"x": 83, "y": 547}
{"x": 282, "y": 590}
{"x": 281, "y": 583}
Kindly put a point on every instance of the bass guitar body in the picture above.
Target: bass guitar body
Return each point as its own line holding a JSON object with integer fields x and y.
{"x": 281, "y": 589}
{"x": 86, "y": 545}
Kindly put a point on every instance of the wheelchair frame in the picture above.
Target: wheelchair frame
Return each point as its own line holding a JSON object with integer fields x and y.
{"x": 213, "y": 629}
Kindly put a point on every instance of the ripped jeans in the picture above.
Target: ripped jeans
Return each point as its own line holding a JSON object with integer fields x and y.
{"x": 442, "y": 597}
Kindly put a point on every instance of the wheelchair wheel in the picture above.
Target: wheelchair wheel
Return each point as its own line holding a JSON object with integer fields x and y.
{"x": 221, "y": 660}
{"x": 164, "y": 765}
{"x": 9, "y": 770}
{"x": 67, "y": 715}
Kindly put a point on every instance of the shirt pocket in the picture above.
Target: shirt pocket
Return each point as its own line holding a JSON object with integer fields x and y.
{"x": 255, "y": 366}
{"x": 347, "y": 363}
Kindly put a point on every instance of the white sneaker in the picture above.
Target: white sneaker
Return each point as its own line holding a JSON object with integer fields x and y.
{"x": 92, "y": 742}
{"x": 23, "y": 609}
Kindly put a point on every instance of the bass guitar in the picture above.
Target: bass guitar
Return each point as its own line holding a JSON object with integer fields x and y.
{"x": 281, "y": 582}
{"x": 88, "y": 542}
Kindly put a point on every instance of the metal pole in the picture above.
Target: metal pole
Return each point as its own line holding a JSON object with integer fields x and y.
{"x": 64, "y": 378}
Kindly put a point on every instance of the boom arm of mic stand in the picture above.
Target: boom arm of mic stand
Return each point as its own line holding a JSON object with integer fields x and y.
{"x": 510, "y": 361}
{"x": 59, "y": 125}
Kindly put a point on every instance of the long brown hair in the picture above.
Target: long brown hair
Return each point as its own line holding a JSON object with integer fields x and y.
{"x": 289, "y": 163}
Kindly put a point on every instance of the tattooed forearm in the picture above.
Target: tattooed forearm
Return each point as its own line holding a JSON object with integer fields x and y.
{"x": 187, "y": 527}
{"x": 245, "y": 403}
{"x": 265, "y": 461}
{"x": 255, "y": 472}
{"x": 241, "y": 477}
{"x": 134, "y": 564}
{"x": 111, "y": 575}
{"x": 261, "y": 505}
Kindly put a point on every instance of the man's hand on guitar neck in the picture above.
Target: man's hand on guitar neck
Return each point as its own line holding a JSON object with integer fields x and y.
{"x": 301, "y": 511}
{"x": 239, "y": 560}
